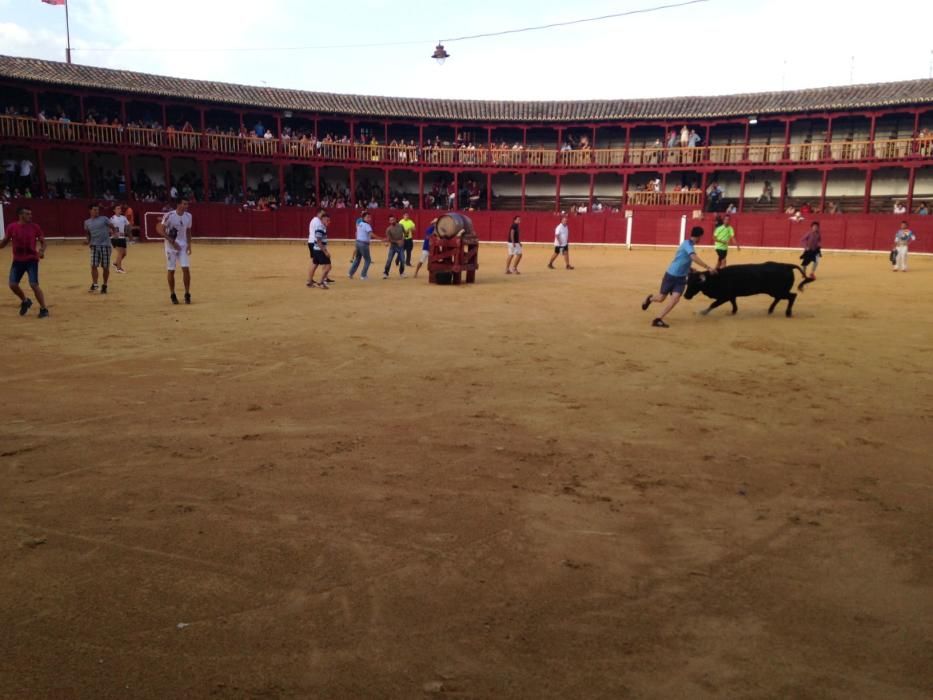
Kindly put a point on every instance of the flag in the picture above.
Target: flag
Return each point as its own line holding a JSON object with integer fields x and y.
{"x": 54, "y": 2}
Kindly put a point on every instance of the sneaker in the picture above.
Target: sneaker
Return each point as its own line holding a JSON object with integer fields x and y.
{"x": 24, "y": 307}
{"x": 349, "y": 277}
{"x": 187, "y": 298}
{"x": 571, "y": 267}
{"x": 311, "y": 283}
{"x": 646, "y": 303}
{"x": 174, "y": 299}
{"x": 43, "y": 313}
{"x": 402, "y": 275}
{"x": 103, "y": 289}
{"x": 516, "y": 272}
{"x": 93, "y": 288}
{"x": 550, "y": 267}
{"x": 508, "y": 272}
{"x": 324, "y": 285}
{"x": 120, "y": 270}
{"x": 385, "y": 275}
{"x": 364, "y": 278}
{"x": 659, "y": 323}
{"x": 329, "y": 280}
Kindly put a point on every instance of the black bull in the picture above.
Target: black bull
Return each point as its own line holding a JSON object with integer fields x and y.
{"x": 771, "y": 278}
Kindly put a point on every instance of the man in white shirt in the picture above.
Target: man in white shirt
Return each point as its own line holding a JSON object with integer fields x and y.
{"x": 175, "y": 228}
{"x": 317, "y": 229}
{"x": 561, "y": 243}
{"x": 118, "y": 227}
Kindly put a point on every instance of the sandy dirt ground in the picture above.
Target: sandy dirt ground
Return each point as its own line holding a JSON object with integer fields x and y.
{"x": 512, "y": 490}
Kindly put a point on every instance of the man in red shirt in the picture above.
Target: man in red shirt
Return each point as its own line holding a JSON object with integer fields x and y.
{"x": 28, "y": 248}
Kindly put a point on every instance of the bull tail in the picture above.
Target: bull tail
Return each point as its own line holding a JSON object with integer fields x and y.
{"x": 805, "y": 281}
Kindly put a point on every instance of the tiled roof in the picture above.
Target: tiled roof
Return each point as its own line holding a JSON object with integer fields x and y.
{"x": 911, "y": 92}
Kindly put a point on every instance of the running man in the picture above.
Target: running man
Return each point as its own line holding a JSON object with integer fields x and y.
{"x": 395, "y": 239}
{"x": 320, "y": 255}
{"x": 515, "y": 248}
{"x": 120, "y": 227}
{"x": 409, "y": 226}
{"x": 28, "y": 248}
{"x": 97, "y": 230}
{"x": 364, "y": 235}
{"x": 561, "y": 243}
{"x": 175, "y": 228}
{"x": 426, "y": 246}
{"x": 811, "y": 249}
{"x": 902, "y": 240}
{"x": 722, "y": 235}
{"x": 674, "y": 281}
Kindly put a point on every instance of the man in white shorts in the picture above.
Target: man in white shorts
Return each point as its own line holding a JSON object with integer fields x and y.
{"x": 175, "y": 228}
{"x": 515, "y": 248}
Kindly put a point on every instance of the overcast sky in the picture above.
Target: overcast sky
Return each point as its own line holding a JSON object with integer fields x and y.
{"x": 717, "y": 47}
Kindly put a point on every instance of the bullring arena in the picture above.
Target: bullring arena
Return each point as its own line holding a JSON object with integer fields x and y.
{"x": 516, "y": 488}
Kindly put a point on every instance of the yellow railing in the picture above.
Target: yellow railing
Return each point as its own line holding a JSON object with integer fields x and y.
{"x": 480, "y": 156}
{"x": 642, "y": 198}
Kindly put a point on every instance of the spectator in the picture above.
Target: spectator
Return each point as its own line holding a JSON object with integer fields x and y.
{"x": 900, "y": 208}
{"x": 713, "y": 196}
{"x": 922, "y": 209}
{"x": 806, "y": 208}
{"x": 767, "y": 192}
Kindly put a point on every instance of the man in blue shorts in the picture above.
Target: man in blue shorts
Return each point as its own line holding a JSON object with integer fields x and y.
{"x": 28, "y": 248}
{"x": 674, "y": 281}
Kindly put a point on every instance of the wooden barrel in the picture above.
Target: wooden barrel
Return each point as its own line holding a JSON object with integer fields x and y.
{"x": 449, "y": 225}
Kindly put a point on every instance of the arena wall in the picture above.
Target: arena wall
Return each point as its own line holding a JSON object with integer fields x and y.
{"x": 856, "y": 232}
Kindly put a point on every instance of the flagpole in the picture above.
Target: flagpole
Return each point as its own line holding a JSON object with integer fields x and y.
{"x": 67, "y": 34}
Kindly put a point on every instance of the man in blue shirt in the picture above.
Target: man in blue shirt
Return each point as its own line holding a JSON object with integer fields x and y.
{"x": 426, "y": 246}
{"x": 364, "y": 234}
{"x": 674, "y": 281}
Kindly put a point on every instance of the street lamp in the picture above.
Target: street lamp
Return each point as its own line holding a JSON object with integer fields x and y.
{"x": 440, "y": 54}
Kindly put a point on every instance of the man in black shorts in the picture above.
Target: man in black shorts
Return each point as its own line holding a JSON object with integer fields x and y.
{"x": 320, "y": 255}
{"x": 119, "y": 227}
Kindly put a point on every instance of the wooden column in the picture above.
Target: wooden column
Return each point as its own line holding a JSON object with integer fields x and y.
{"x": 40, "y": 166}
{"x": 167, "y": 169}
{"x": 624, "y": 191}
{"x": 81, "y": 113}
{"x": 910, "y": 190}
{"x": 352, "y": 202}
{"x": 871, "y": 134}
{"x": 457, "y": 204}
{"x": 165, "y": 116}
{"x": 589, "y": 206}
{"x": 206, "y": 178}
{"x": 420, "y": 184}
{"x": 782, "y": 199}
{"x": 785, "y": 154}
{"x": 523, "y": 192}
{"x": 827, "y": 153}
{"x": 128, "y": 176}
{"x": 281, "y": 184}
{"x": 87, "y": 174}
{"x": 123, "y": 117}
{"x": 823, "y": 191}
{"x": 203, "y": 115}
{"x": 748, "y": 136}
{"x": 557, "y": 196}
{"x": 420, "y": 137}
{"x": 866, "y": 202}
{"x": 317, "y": 187}
{"x": 35, "y": 103}
{"x": 489, "y": 191}
{"x": 243, "y": 185}
{"x": 385, "y": 191}
{"x": 704, "y": 183}
{"x": 385, "y": 133}
{"x": 742, "y": 177}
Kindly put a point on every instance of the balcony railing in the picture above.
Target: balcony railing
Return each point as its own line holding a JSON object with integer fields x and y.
{"x": 27, "y": 128}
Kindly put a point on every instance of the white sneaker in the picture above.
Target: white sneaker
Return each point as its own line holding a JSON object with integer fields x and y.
{"x": 364, "y": 278}
{"x": 403, "y": 275}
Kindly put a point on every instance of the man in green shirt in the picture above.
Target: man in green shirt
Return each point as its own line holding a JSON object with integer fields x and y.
{"x": 722, "y": 235}
{"x": 409, "y": 226}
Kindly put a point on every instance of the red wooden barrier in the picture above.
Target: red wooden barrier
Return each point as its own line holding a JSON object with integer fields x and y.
{"x": 64, "y": 218}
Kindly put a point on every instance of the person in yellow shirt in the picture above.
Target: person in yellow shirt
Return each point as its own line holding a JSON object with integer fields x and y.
{"x": 409, "y": 226}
